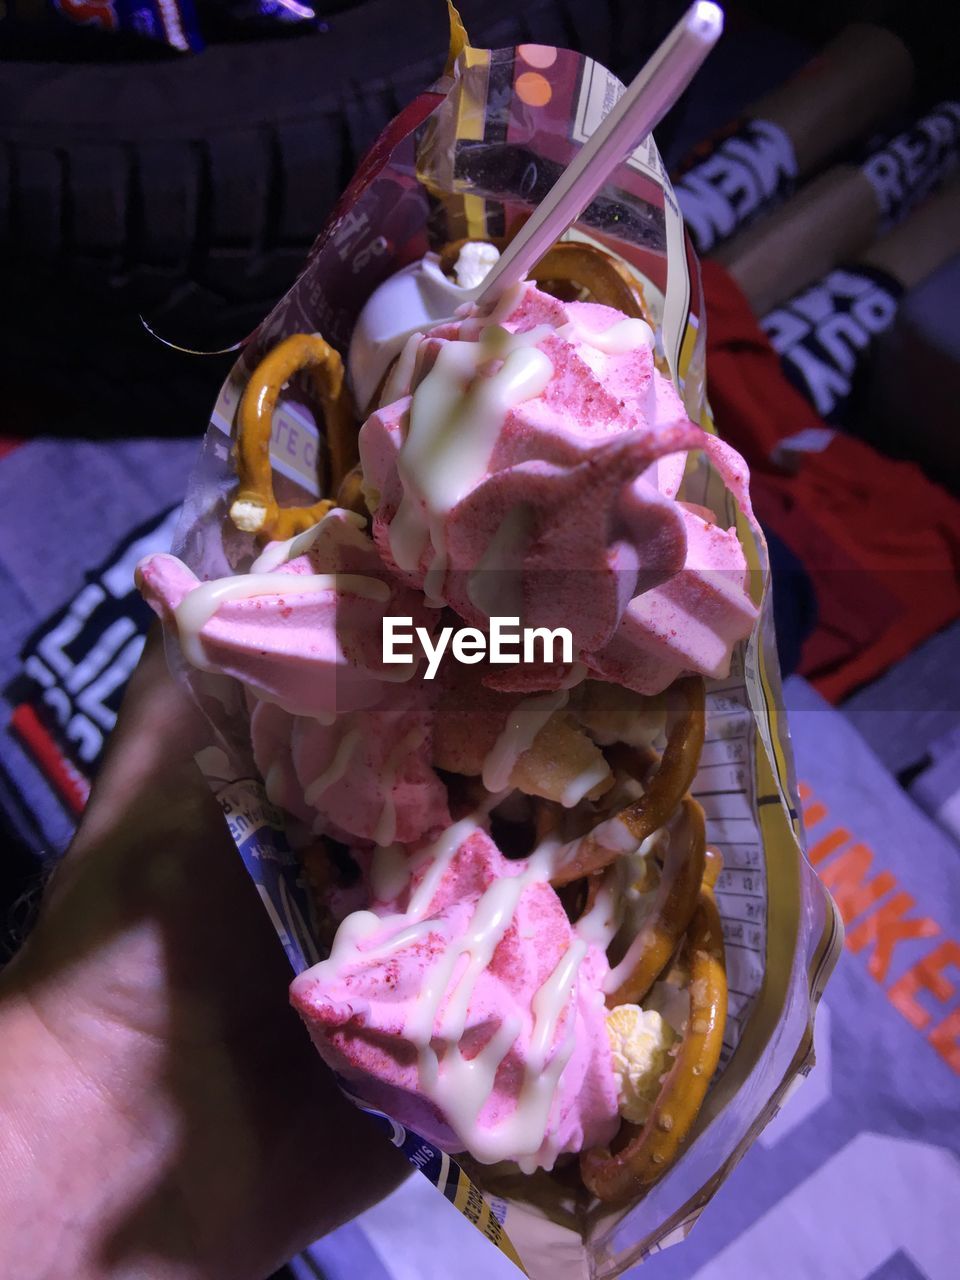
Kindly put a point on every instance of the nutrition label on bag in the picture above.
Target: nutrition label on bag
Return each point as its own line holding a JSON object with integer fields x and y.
{"x": 294, "y": 439}
{"x": 725, "y": 789}
{"x": 599, "y": 93}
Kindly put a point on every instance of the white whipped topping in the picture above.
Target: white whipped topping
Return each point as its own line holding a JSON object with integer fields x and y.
{"x": 474, "y": 263}
{"x": 415, "y": 298}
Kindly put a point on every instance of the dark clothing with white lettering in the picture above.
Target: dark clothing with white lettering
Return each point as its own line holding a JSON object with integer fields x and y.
{"x": 744, "y": 173}
{"x": 75, "y": 516}
{"x": 909, "y": 166}
{"x": 823, "y": 335}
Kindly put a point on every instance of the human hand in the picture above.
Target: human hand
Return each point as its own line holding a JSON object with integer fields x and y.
{"x": 166, "y": 1112}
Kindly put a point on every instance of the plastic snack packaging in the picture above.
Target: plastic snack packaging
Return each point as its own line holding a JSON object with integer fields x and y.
{"x": 170, "y": 22}
{"x": 465, "y": 162}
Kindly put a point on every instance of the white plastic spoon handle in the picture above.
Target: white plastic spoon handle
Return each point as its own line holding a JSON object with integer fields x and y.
{"x": 641, "y": 108}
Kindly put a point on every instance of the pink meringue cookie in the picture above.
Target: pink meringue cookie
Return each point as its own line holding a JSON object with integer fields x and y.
{"x": 367, "y": 777}
{"x": 561, "y": 507}
{"x": 690, "y": 623}
{"x": 568, "y": 457}
{"x": 270, "y": 732}
{"x": 494, "y": 1070}
{"x": 693, "y": 621}
{"x": 592, "y": 537}
{"x": 305, "y": 634}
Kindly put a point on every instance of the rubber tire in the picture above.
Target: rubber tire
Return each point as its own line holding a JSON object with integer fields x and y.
{"x": 217, "y": 170}
{"x": 189, "y": 191}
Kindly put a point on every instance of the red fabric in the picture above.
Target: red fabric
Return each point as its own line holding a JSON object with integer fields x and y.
{"x": 880, "y": 541}
{"x": 68, "y": 781}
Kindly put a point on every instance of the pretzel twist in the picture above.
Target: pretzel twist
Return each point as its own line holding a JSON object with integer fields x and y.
{"x": 255, "y": 508}
{"x": 673, "y": 909}
{"x": 587, "y": 267}
{"x": 350, "y": 494}
{"x": 570, "y": 262}
{"x": 665, "y": 790}
{"x": 713, "y": 865}
{"x": 647, "y": 1150}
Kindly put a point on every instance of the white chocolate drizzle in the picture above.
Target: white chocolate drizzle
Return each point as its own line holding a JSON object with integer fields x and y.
{"x": 398, "y": 380}
{"x": 436, "y": 858}
{"x": 275, "y": 554}
{"x": 599, "y": 925}
{"x": 584, "y": 782}
{"x": 612, "y": 834}
{"x": 389, "y": 871}
{"x": 640, "y": 904}
{"x": 455, "y": 419}
{"x": 524, "y": 722}
{"x": 335, "y": 769}
{"x": 624, "y": 335}
{"x": 460, "y": 1088}
{"x": 385, "y": 832}
{"x": 199, "y": 605}
{"x": 576, "y": 675}
{"x": 274, "y": 781}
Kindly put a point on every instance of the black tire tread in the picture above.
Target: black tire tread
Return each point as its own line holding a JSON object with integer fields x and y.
{"x": 189, "y": 191}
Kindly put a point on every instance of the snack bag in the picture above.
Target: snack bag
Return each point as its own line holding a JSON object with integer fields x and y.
{"x": 466, "y": 162}
{"x": 171, "y": 22}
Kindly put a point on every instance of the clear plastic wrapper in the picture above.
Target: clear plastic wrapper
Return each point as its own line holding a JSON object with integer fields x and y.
{"x": 170, "y": 22}
{"x": 469, "y": 159}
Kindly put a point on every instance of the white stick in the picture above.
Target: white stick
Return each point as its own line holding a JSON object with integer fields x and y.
{"x": 644, "y": 104}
